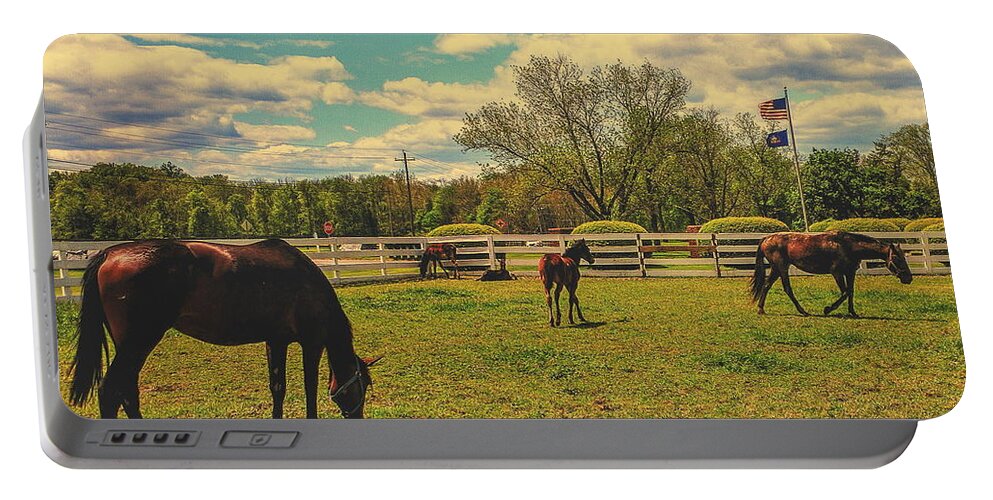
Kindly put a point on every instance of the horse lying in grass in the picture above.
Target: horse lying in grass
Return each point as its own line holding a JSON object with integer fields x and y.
{"x": 563, "y": 270}
{"x": 433, "y": 255}
{"x": 837, "y": 253}
{"x": 221, "y": 294}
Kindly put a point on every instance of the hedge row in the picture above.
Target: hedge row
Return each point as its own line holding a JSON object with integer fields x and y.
{"x": 608, "y": 226}
{"x": 920, "y": 224}
{"x": 744, "y": 225}
{"x": 462, "y": 229}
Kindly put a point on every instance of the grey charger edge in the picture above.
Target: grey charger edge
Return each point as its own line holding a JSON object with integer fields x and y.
{"x": 78, "y": 442}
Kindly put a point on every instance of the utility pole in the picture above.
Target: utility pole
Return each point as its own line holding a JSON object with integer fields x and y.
{"x": 410, "y": 199}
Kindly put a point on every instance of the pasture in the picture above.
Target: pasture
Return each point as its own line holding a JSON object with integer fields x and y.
{"x": 655, "y": 348}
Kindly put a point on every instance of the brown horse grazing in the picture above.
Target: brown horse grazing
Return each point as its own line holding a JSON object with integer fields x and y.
{"x": 221, "y": 294}
{"x": 563, "y": 270}
{"x": 837, "y": 253}
{"x": 433, "y": 255}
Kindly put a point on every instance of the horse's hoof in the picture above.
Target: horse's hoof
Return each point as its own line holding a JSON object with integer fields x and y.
{"x": 827, "y": 310}
{"x": 804, "y": 313}
{"x": 853, "y": 315}
{"x": 761, "y": 312}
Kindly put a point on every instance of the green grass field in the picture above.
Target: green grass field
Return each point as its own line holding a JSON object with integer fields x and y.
{"x": 675, "y": 348}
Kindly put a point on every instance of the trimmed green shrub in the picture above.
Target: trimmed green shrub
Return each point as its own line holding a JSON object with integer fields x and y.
{"x": 935, "y": 227}
{"x": 744, "y": 225}
{"x": 608, "y": 226}
{"x": 899, "y": 222}
{"x": 462, "y": 229}
{"x": 920, "y": 224}
{"x": 823, "y": 225}
{"x": 863, "y": 225}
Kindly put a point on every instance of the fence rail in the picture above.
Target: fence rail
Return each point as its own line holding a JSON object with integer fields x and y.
{"x": 361, "y": 259}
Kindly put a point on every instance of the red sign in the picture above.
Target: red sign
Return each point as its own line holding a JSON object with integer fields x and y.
{"x": 502, "y": 224}
{"x": 329, "y": 228}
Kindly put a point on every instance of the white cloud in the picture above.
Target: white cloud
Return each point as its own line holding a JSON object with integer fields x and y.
{"x": 274, "y": 133}
{"x": 463, "y": 44}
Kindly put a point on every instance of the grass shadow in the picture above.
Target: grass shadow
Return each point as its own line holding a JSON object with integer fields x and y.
{"x": 588, "y": 324}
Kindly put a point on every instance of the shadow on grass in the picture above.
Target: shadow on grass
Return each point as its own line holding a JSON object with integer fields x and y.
{"x": 588, "y": 324}
{"x": 846, "y": 316}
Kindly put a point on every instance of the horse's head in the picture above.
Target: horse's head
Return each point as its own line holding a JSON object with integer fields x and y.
{"x": 896, "y": 262}
{"x": 579, "y": 250}
{"x": 349, "y": 394}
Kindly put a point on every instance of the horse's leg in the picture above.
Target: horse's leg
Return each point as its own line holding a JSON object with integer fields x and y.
{"x": 311, "y": 363}
{"x": 276, "y": 358}
{"x": 839, "y": 278}
{"x": 773, "y": 276}
{"x": 572, "y": 302}
{"x": 558, "y": 310}
{"x": 120, "y": 384}
{"x": 851, "y": 292}
{"x": 575, "y": 299}
{"x": 548, "y": 300}
{"x": 789, "y": 291}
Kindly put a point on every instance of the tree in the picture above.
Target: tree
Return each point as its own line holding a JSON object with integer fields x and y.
{"x": 492, "y": 207}
{"x": 583, "y": 135}
{"x": 706, "y": 167}
{"x": 767, "y": 173}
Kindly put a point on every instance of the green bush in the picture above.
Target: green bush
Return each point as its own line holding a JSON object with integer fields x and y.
{"x": 935, "y": 227}
{"x": 823, "y": 225}
{"x": 920, "y": 224}
{"x": 899, "y": 222}
{"x": 462, "y": 229}
{"x": 863, "y": 225}
{"x": 744, "y": 225}
{"x": 608, "y": 226}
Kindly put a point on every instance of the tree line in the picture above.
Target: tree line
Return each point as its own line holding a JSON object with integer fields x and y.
{"x": 615, "y": 142}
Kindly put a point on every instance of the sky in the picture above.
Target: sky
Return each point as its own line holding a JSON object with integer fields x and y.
{"x": 310, "y": 106}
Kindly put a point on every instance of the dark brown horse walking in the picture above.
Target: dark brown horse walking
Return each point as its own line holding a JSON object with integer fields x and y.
{"x": 837, "y": 253}
{"x": 221, "y": 294}
{"x": 563, "y": 270}
{"x": 433, "y": 255}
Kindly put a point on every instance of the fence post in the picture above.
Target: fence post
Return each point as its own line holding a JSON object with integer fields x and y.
{"x": 926, "y": 249}
{"x": 66, "y": 291}
{"x": 382, "y": 258}
{"x": 561, "y": 239}
{"x": 491, "y": 250}
{"x": 717, "y": 256}
{"x": 334, "y": 257}
{"x": 641, "y": 256}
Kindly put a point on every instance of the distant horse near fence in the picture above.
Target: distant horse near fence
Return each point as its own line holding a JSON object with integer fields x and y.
{"x": 563, "y": 270}
{"x": 221, "y": 294}
{"x": 433, "y": 255}
{"x": 837, "y": 253}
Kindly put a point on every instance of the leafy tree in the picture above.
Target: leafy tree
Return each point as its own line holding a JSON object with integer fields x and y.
{"x": 585, "y": 135}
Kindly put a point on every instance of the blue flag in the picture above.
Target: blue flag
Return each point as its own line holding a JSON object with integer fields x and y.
{"x": 777, "y": 139}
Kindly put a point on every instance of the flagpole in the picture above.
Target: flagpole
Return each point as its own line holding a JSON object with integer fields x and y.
{"x": 796, "y": 160}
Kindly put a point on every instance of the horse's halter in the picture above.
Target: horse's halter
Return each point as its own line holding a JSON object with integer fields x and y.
{"x": 355, "y": 379}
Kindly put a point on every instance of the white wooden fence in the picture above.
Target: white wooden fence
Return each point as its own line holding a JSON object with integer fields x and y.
{"x": 363, "y": 259}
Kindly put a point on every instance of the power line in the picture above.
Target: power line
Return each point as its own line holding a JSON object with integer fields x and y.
{"x": 218, "y": 136}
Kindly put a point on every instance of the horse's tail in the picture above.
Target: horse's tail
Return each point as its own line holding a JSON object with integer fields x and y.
{"x": 758, "y": 279}
{"x": 91, "y": 341}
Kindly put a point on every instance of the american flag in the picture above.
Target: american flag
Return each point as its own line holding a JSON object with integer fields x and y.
{"x": 774, "y": 109}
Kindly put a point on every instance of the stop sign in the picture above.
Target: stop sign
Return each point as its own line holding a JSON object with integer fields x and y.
{"x": 329, "y": 228}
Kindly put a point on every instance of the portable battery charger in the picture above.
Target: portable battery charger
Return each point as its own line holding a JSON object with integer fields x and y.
{"x": 486, "y": 251}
